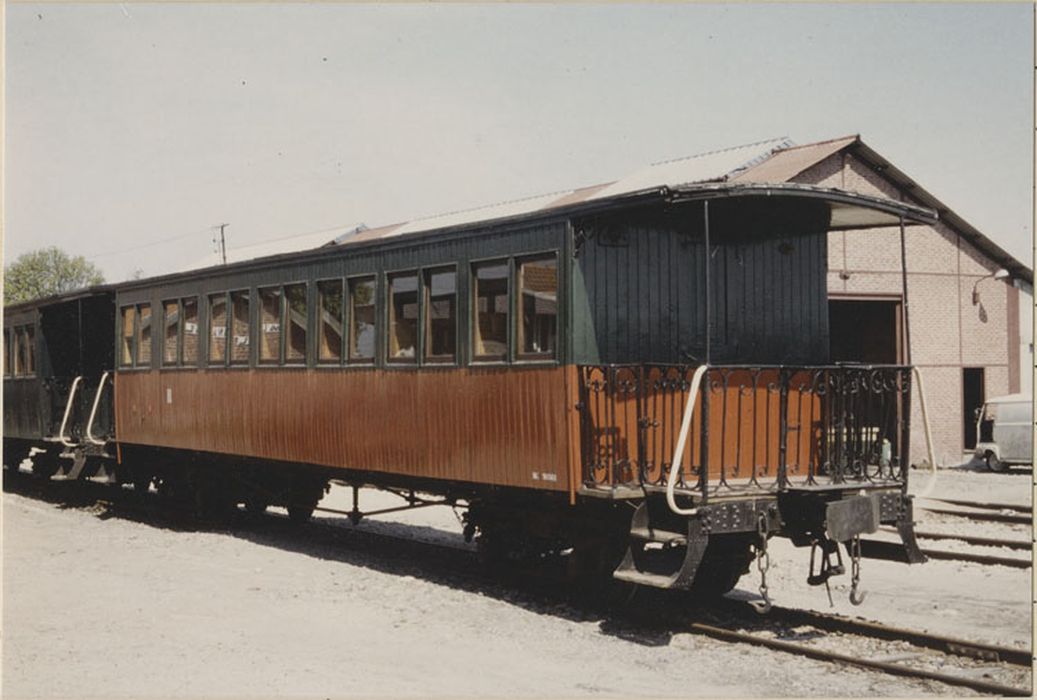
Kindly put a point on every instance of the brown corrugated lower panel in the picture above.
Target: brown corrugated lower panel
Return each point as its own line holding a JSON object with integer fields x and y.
{"x": 505, "y": 426}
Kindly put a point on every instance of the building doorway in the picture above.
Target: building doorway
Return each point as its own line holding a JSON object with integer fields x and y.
{"x": 865, "y": 329}
{"x": 972, "y": 397}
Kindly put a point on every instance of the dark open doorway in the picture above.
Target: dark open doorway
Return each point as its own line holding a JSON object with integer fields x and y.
{"x": 864, "y": 330}
{"x": 972, "y": 397}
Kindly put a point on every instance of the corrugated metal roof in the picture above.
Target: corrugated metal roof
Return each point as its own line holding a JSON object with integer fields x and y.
{"x": 288, "y": 244}
{"x": 787, "y": 163}
{"x": 705, "y": 167}
{"x": 501, "y": 210}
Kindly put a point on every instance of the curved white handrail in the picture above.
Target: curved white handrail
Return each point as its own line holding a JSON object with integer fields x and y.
{"x": 682, "y": 438}
{"x": 68, "y": 409}
{"x": 928, "y": 434}
{"x": 93, "y": 412}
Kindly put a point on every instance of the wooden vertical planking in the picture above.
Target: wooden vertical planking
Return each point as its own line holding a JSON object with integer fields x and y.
{"x": 768, "y": 291}
{"x": 482, "y": 425}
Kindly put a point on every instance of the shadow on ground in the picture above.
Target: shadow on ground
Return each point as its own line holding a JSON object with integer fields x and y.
{"x": 646, "y": 617}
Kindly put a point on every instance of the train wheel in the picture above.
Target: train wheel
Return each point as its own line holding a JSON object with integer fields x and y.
{"x": 994, "y": 464}
{"x": 300, "y": 514}
{"x": 14, "y": 456}
{"x": 44, "y": 465}
{"x": 724, "y": 562}
{"x": 141, "y": 482}
{"x": 256, "y": 505}
{"x": 213, "y": 501}
{"x": 303, "y": 498}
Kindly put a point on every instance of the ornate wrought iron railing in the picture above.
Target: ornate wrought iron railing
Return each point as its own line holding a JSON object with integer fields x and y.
{"x": 754, "y": 427}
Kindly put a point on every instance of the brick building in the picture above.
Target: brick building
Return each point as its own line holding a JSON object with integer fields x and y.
{"x": 969, "y": 329}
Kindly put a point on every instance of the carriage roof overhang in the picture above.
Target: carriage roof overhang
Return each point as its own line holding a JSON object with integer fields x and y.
{"x": 62, "y": 298}
{"x": 849, "y": 210}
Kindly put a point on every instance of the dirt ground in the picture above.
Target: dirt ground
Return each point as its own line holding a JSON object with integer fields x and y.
{"x": 113, "y": 607}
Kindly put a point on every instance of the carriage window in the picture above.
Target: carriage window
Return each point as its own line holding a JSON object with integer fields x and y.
{"x": 143, "y": 335}
{"x": 538, "y": 308}
{"x": 269, "y": 325}
{"x": 329, "y": 325}
{"x": 19, "y": 351}
{"x": 361, "y": 319}
{"x": 491, "y": 311}
{"x": 189, "y": 335}
{"x": 296, "y": 320}
{"x": 403, "y": 317}
{"x": 22, "y": 363}
{"x": 129, "y": 314}
{"x": 441, "y": 315}
{"x": 9, "y": 351}
{"x": 240, "y": 337}
{"x": 30, "y": 349}
{"x": 217, "y": 329}
{"x": 171, "y": 311}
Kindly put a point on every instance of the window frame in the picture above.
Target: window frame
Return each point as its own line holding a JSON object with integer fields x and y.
{"x": 249, "y": 329}
{"x": 120, "y": 364}
{"x": 8, "y": 355}
{"x": 182, "y": 337}
{"x": 179, "y": 332}
{"x": 520, "y": 357}
{"x": 260, "y": 310}
{"x": 387, "y": 277}
{"x": 473, "y": 310}
{"x": 424, "y": 313}
{"x": 138, "y": 329}
{"x": 209, "y": 362}
{"x": 19, "y": 331}
{"x": 319, "y": 322}
{"x": 348, "y": 360}
{"x": 286, "y": 324}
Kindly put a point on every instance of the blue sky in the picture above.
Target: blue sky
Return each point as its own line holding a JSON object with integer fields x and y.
{"x": 139, "y": 127}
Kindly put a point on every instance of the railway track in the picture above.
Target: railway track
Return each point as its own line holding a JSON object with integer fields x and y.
{"x": 986, "y": 506}
{"x": 799, "y": 632}
{"x": 914, "y": 656}
{"x": 982, "y": 512}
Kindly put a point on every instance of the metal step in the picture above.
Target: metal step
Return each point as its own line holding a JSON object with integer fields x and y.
{"x": 653, "y": 535}
{"x": 643, "y": 578}
{"x": 641, "y": 564}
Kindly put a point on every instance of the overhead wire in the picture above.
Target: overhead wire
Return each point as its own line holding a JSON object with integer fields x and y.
{"x": 148, "y": 244}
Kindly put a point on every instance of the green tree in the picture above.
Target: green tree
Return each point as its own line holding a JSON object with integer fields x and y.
{"x": 41, "y": 273}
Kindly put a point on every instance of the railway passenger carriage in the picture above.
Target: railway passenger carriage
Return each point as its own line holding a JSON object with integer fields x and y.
{"x": 639, "y": 382}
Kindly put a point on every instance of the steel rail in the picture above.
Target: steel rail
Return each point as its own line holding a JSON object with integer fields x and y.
{"x": 971, "y": 539}
{"x": 884, "y": 666}
{"x": 927, "y": 640}
{"x": 981, "y": 516}
{"x": 986, "y": 559}
{"x": 884, "y": 549}
{"x": 989, "y": 506}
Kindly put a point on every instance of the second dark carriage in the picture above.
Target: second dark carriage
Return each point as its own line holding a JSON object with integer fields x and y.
{"x": 56, "y": 354}
{"x": 539, "y": 369}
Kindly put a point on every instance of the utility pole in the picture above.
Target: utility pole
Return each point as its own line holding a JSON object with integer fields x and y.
{"x": 223, "y": 243}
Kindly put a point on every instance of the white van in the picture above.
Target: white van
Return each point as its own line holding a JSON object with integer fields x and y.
{"x": 1005, "y": 430}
